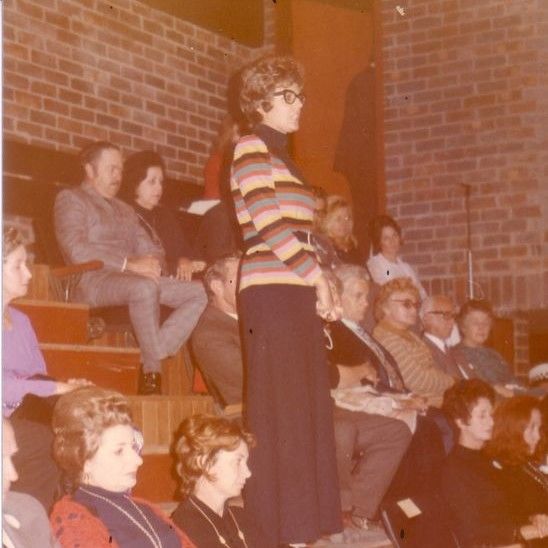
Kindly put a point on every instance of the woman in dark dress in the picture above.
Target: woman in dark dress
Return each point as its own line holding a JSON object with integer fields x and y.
{"x": 481, "y": 512}
{"x": 293, "y": 494}
{"x": 142, "y": 188}
{"x": 212, "y": 454}
{"x": 513, "y": 448}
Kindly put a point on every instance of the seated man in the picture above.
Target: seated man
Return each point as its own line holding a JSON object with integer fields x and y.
{"x": 92, "y": 224}
{"x": 216, "y": 339}
{"x": 396, "y": 309}
{"x": 438, "y": 320}
{"x": 24, "y": 520}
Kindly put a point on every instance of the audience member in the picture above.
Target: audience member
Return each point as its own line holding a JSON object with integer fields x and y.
{"x": 24, "y": 520}
{"x": 386, "y": 264}
{"x": 480, "y": 511}
{"x": 27, "y": 390}
{"x": 212, "y": 454}
{"x": 92, "y": 224}
{"x": 216, "y": 339}
{"x": 438, "y": 320}
{"x": 294, "y": 490}
{"x": 538, "y": 376}
{"x": 338, "y": 226}
{"x": 514, "y": 447}
{"x": 142, "y": 187}
{"x": 475, "y": 321}
{"x": 96, "y": 446}
{"x": 396, "y": 309}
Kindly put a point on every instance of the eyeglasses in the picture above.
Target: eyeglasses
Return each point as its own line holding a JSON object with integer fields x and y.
{"x": 407, "y": 303}
{"x": 289, "y": 96}
{"x": 445, "y": 314}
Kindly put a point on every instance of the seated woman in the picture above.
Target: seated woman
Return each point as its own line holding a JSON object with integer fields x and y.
{"x": 514, "y": 450}
{"x": 396, "y": 310}
{"x": 386, "y": 264}
{"x": 338, "y": 226}
{"x": 142, "y": 187}
{"x": 479, "y": 508}
{"x": 475, "y": 321}
{"x": 95, "y": 445}
{"x": 212, "y": 455}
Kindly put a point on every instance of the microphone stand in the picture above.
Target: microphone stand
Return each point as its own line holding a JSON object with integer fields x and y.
{"x": 469, "y": 261}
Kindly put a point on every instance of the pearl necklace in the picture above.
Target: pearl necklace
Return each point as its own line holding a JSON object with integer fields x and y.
{"x": 222, "y": 540}
{"x": 152, "y": 534}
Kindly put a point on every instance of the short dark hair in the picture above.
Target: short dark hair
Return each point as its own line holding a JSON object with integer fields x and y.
{"x": 91, "y": 152}
{"x": 135, "y": 170}
{"x": 218, "y": 271}
{"x": 473, "y": 305}
{"x": 376, "y": 226}
{"x": 259, "y": 81}
{"x": 460, "y": 399}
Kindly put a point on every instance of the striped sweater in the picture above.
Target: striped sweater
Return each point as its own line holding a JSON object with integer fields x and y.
{"x": 415, "y": 362}
{"x": 275, "y": 210}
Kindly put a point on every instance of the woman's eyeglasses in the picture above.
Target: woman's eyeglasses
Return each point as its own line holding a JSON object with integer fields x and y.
{"x": 289, "y": 96}
{"x": 408, "y": 303}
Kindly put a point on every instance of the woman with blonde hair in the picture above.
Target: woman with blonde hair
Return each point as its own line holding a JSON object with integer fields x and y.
{"x": 97, "y": 447}
{"x": 212, "y": 454}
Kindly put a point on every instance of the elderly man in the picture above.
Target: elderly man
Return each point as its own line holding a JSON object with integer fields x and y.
{"x": 216, "y": 338}
{"x": 92, "y": 224}
{"x": 438, "y": 319}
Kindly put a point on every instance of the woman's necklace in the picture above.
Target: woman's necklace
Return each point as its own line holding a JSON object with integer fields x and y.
{"x": 222, "y": 539}
{"x": 152, "y": 534}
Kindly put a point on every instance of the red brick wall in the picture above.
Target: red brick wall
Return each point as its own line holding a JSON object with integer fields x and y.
{"x": 79, "y": 70}
{"x": 466, "y": 101}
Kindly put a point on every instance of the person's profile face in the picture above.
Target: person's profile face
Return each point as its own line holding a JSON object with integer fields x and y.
{"x": 479, "y": 428}
{"x": 341, "y": 223}
{"x": 15, "y": 274}
{"x": 149, "y": 191}
{"x": 531, "y": 434}
{"x": 283, "y": 116}
{"x": 9, "y": 449}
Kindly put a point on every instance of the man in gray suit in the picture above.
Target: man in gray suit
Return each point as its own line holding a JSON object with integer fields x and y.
{"x": 216, "y": 339}
{"x": 92, "y": 224}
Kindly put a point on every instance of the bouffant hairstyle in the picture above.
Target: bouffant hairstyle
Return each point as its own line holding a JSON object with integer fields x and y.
{"x": 135, "y": 170}
{"x": 261, "y": 78}
{"x": 200, "y": 439}
{"x": 473, "y": 305}
{"x": 391, "y": 287}
{"x": 11, "y": 240}
{"x": 218, "y": 271}
{"x": 511, "y": 419}
{"x": 334, "y": 204}
{"x": 91, "y": 152}
{"x": 79, "y": 419}
{"x": 377, "y": 224}
{"x": 460, "y": 399}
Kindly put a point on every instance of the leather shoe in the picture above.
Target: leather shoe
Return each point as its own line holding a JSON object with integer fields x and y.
{"x": 150, "y": 383}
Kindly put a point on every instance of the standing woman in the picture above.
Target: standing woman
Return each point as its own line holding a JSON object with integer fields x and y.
{"x": 293, "y": 492}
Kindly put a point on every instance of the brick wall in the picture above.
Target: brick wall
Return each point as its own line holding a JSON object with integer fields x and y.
{"x": 466, "y": 101}
{"x": 79, "y": 70}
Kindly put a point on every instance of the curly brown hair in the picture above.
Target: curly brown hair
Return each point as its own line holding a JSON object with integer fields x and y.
{"x": 391, "y": 287}
{"x": 79, "y": 419}
{"x": 511, "y": 419}
{"x": 200, "y": 439}
{"x": 460, "y": 399}
{"x": 376, "y": 226}
{"x": 260, "y": 79}
{"x": 11, "y": 240}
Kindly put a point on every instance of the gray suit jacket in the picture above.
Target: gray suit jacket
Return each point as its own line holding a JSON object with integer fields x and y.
{"x": 217, "y": 348}
{"x": 447, "y": 362}
{"x": 89, "y": 227}
{"x": 24, "y": 523}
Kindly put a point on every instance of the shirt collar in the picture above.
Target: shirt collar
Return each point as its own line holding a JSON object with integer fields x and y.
{"x": 437, "y": 341}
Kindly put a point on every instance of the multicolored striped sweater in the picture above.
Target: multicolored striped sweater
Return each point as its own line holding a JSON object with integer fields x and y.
{"x": 275, "y": 210}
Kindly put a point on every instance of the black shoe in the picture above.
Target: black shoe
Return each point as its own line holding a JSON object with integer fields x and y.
{"x": 150, "y": 383}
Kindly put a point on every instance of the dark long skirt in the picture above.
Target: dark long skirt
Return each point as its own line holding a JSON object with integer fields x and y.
{"x": 293, "y": 493}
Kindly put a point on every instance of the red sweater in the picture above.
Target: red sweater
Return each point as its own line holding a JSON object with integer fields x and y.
{"x": 74, "y": 525}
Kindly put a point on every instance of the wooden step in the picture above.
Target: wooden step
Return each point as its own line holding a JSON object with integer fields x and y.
{"x": 56, "y": 322}
{"x": 106, "y": 366}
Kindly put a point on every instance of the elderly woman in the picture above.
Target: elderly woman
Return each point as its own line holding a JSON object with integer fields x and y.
{"x": 480, "y": 510}
{"x": 338, "y": 226}
{"x": 282, "y": 294}
{"x": 95, "y": 445}
{"x": 516, "y": 436}
{"x": 142, "y": 187}
{"x": 396, "y": 310}
{"x": 212, "y": 454}
{"x": 386, "y": 264}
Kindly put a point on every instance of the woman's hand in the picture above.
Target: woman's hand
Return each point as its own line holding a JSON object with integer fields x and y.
{"x": 540, "y": 521}
{"x": 184, "y": 270}
{"x": 325, "y": 307}
{"x": 71, "y": 384}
